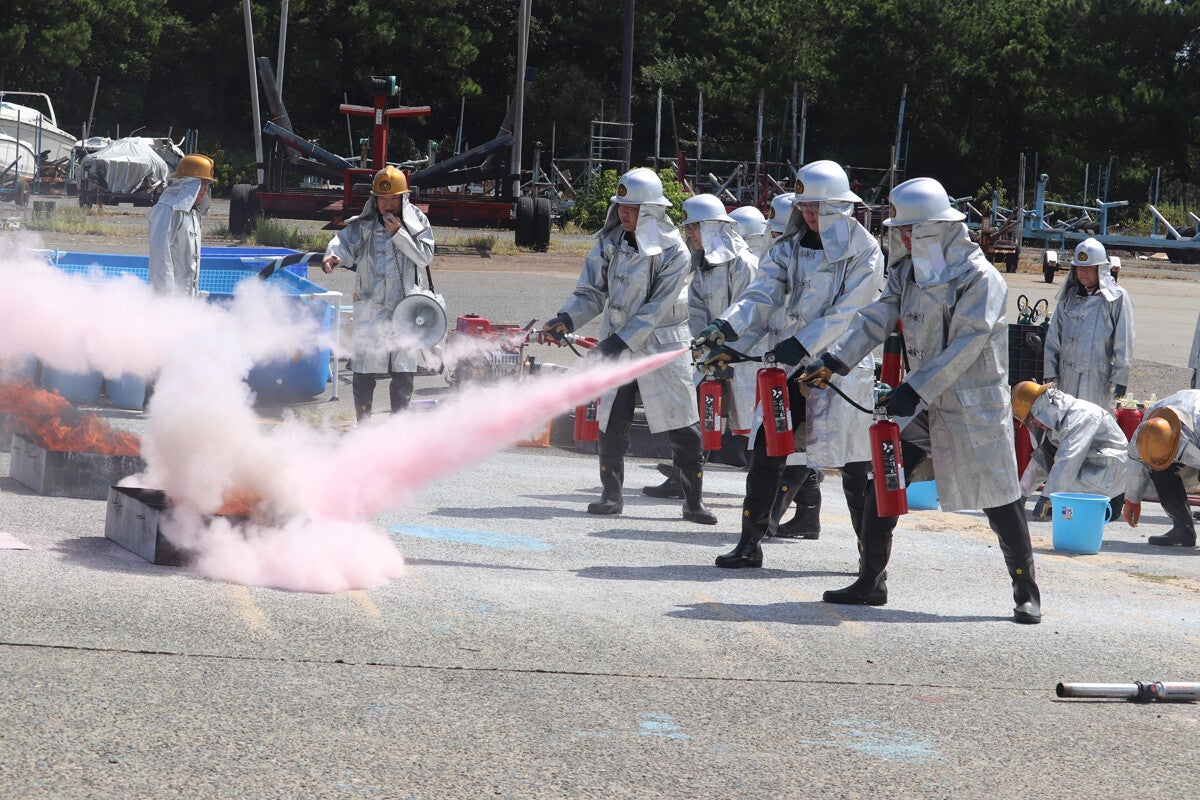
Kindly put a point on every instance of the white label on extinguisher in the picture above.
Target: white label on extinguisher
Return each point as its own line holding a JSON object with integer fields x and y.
{"x": 779, "y": 409}
{"x": 711, "y": 414}
{"x": 592, "y": 411}
{"x": 892, "y": 480}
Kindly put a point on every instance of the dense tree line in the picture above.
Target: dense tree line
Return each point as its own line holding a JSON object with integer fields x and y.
{"x": 1070, "y": 83}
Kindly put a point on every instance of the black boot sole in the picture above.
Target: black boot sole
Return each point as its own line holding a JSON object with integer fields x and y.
{"x": 810, "y": 536}
{"x": 738, "y": 562}
{"x": 605, "y": 508}
{"x": 1022, "y": 618}
{"x": 667, "y": 494}
{"x": 1168, "y": 542}
{"x": 700, "y": 519}
{"x": 843, "y": 599}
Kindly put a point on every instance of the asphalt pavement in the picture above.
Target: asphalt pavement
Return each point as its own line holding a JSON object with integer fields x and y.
{"x": 533, "y": 650}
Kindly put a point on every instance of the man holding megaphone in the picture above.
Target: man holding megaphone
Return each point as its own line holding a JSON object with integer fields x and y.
{"x": 387, "y": 244}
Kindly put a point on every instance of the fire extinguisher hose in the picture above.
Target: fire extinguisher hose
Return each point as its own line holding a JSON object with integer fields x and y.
{"x": 738, "y": 357}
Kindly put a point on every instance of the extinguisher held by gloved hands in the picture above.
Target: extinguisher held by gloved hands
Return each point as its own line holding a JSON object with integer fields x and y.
{"x": 713, "y": 337}
{"x": 820, "y": 370}
{"x": 902, "y": 402}
{"x": 1042, "y": 509}
{"x": 1132, "y": 512}
{"x": 557, "y": 329}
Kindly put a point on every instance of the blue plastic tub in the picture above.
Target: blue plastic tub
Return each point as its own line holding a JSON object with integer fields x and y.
{"x": 114, "y": 264}
{"x": 922, "y": 496}
{"x": 1078, "y": 521}
{"x": 127, "y": 391}
{"x": 77, "y": 387}
{"x": 305, "y": 375}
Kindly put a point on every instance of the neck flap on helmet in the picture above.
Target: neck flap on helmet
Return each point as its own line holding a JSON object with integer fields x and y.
{"x": 654, "y": 231}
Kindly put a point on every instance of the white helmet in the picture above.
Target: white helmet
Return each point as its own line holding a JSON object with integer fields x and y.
{"x": 640, "y": 186}
{"x": 1089, "y": 253}
{"x": 781, "y": 211}
{"x": 750, "y": 221}
{"x": 921, "y": 200}
{"x": 823, "y": 180}
{"x": 704, "y": 208}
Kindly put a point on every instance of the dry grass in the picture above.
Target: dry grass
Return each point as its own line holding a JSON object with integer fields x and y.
{"x": 76, "y": 221}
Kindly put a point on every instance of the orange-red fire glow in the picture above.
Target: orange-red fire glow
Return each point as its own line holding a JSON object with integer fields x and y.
{"x": 53, "y": 423}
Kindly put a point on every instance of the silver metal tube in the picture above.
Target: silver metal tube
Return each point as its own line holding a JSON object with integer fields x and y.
{"x": 283, "y": 19}
{"x": 1141, "y": 691}
{"x": 258, "y": 148}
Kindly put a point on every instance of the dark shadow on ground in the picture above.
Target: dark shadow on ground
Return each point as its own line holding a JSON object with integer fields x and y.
{"x": 814, "y": 613}
{"x": 697, "y": 573}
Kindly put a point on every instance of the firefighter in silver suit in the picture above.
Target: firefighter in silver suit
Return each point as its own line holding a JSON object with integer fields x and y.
{"x": 636, "y": 280}
{"x": 952, "y": 303}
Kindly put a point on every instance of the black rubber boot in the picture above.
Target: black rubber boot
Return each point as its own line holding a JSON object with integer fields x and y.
{"x": 612, "y": 475}
{"x": 363, "y": 384}
{"x": 789, "y": 485}
{"x": 668, "y": 488}
{"x": 691, "y": 481}
{"x": 1172, "y": 496}
{"x": 874, "y": 552}
{"x": 1012, "y": 529}
{"x": 748, "y": 551}
{"x": 856, "y": 481}
{"x": 806, "y": 523}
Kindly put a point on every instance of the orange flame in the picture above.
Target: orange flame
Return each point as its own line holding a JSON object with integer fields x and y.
{"x": 56, "y": 425}
{"x": 241, "y": 503}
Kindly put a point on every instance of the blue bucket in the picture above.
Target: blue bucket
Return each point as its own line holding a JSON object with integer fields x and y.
{"x": 1079, "y": 521}
{"x": 127, "y": 391}
{"x": 922, "y": 496}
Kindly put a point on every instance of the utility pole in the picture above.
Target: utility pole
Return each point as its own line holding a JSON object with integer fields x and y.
{"x": 283, "y": 19}
{"x": 519, "y": 102}
{"x": 258, "y": 149}
{"x": 626, "y": 84}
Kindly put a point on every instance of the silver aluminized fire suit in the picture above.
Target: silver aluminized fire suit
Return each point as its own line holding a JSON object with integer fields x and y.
{"x": 813, "y": 294}
{"x": 719, "y": 275}
{"x": 175, "y": 237}
{"x": 1089, "y": 344}
{"x": 1092, "y": 453}
{"x": 1186, "y": 404}
{"x": 389, "y": 268}
{"x": 643, "y": 298}
{"x": 952, "y": 303}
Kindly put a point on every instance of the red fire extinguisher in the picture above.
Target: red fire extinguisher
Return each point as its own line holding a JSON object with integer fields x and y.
{"x": 711, "y": 395}
{"x": 1129, "y": 419}
{"x": 587, "y": 422}
{"x": 893, "y": 347}
{"x": 888, "y": 464}
{"x": 777, "y": 412}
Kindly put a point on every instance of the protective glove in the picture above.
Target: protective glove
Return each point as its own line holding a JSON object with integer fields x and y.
{"x": 714, "y": 336}
{"x": 1042, "y": 510}
{"x": 820, "y": 370}
{"x": 611, "y": 347}
{"x": 556, "y": 329}
{"x": 716, "y": 360}
{"x": 1118, "y": 390}
{"x": 1132, "y": 512}
{"x": 903, "y": 401}
{"x": 789, "y": 351}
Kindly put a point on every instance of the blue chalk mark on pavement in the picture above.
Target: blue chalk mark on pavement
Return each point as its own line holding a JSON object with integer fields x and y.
{"x": 661, "y": 725}
{"x": 872, "y": 738}
{"x": 506, "y": 541}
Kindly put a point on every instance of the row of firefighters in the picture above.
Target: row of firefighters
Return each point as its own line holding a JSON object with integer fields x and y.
{"x": 808, "y": 292}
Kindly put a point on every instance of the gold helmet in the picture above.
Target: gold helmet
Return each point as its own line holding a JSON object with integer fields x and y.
{"x": 1158, "y": 438}
{"x": 389, "y": 181}
{"x": 195, "y": 165}
{"x": 1024, "y": 394}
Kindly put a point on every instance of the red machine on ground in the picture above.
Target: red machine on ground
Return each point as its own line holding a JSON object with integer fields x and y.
{"x": 349, "y": 185}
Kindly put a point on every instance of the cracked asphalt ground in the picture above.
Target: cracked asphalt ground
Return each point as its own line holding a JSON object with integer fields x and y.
{"x": 533, "y": 650}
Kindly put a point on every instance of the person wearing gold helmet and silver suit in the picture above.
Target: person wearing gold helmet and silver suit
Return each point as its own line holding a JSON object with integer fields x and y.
{"x": 636, "y": 280}
{"x": 1167, "y": 439}
{"x": 954, "y": 404}
{"x": 1089, "y": 344}
{"x": 1080, "y": 447}
{"x": 388, "y": 244}
{"x": 175, "y": 226}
